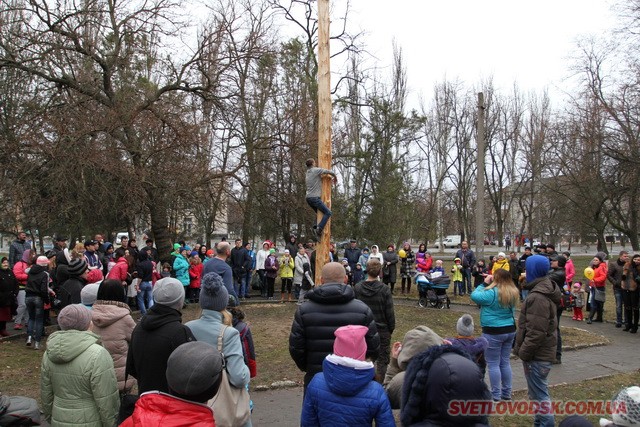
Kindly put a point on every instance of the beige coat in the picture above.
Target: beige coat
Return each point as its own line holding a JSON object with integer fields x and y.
{"x": 112, "y": 321}
{"x": 629, "y": 283}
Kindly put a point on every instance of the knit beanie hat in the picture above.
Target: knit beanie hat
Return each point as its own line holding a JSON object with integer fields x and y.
{"x": 626, "y": 407}
{"x": 74, "y": 316}
{"x": 111, "y": 290}
{"x": 465, "y": 325}
{"x": 213, "y": 294}
{"x": 562, "y": 261}
{"x": 194, "y": 371}
{"x": 176, "y": 246}
{"x": 77, "y": 267}
{"x": 95, "y": 276}
{"x": 416, "y": 341}
{"x": 536, "y": 266}
{"x": 601, "y": 256}
{"x": 502, "y": 254}
{"x": 89, "y": 294}
{"x": 42, "y": 260}
{"x": 170, "y": 292}
{"x": 350, "y": 341}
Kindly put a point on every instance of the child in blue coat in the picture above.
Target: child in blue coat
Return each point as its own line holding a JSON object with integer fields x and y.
{"x": 345, "y": 393}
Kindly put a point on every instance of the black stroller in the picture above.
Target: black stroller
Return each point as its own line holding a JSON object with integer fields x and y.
{"x": 433, "y": 290}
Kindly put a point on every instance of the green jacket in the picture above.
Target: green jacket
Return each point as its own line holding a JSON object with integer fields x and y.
{"x": 78, "y": 382}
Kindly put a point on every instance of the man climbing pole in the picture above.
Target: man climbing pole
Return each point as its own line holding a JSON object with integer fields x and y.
{"x": 314, "y": 194}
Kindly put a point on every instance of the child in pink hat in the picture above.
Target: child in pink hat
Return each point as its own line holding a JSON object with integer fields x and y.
{"x": 345, "y": 393}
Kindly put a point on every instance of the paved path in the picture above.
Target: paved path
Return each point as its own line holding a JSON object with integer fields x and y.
{"x": 282, "y": 407}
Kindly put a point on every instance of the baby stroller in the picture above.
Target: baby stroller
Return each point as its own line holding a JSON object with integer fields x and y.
{"x": 433, "y": 290}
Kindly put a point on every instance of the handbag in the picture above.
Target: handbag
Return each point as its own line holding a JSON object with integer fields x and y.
{"x": 600, "y": 295}
{"x": 230, "y": 405}
{"x": 127, "y": 402}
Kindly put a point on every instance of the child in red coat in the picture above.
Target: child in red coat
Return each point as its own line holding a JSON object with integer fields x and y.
{"x": 195, "y": 275}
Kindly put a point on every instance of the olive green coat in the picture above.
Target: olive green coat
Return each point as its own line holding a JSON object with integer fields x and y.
{"x": 78, "y": 382}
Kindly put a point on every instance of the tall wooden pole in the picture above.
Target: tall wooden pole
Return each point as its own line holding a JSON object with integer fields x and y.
{"x": 324, "y": 127}
{"x": 480, "y": 179}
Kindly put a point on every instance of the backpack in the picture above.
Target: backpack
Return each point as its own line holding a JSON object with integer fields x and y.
{"x": 249, "y": 359}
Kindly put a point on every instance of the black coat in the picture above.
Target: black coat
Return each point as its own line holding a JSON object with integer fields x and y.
{"x": 240, "y": 261}
{"x": 330, "y": 306}
{"x": 433, "y": 379}
{"x": 38, "y": 282}
{"x": 8, "y": 288}
{"x": 153, "y": 340}
{"x": 69, "y": 292}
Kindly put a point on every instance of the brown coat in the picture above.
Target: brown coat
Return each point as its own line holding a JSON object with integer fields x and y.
{"x": 629, "y": 282}
{"x": 112, "y": 321}
{"x": 536, "y": 337}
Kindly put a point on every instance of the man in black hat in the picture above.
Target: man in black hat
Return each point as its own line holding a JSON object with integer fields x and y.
{"x": 91, "y": 254}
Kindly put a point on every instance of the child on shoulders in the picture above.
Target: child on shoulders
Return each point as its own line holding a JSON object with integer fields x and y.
{"x": 467, "y": 342}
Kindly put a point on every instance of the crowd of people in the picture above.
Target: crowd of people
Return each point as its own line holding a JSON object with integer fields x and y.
{"x": 340, "y": 335}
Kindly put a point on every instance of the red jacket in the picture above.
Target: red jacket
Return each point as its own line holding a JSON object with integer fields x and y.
{"x": 195, "y": 275}
{"x": 159, "y": 409}
{"x": 600, "y": 276}
{"x": 120, "y": 270}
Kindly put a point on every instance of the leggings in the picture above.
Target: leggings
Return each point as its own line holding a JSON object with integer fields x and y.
{"x": 286, "y": 284}
{"x": 271, "y": 281}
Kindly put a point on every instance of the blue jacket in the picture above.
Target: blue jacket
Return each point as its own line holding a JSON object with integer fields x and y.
{"x": 492, "y": 314}
{"x": 181, "y": 268}
{"x": 342, "y": 395}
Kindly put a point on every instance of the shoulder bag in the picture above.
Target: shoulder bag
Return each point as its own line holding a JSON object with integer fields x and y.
{"x": 230, "y": 405}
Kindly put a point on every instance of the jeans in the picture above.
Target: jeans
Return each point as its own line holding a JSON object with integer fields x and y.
{"x": 524, "y": 293}
{"x": 35, "y": 307}
{"x": 617, "y": 293}
{"x": 238, "y": 282}
{"x": 466, "y": 280}
{"x": 318, "y": 205}
{"x": 536, "y": 374}
{"x": 497, "y": 357}
{"x": 22, "y": 317}
{"x": 144, "y": 297}
{"x": 245, "y": 285}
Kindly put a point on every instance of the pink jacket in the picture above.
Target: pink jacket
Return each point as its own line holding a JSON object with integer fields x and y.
{"x": 570, "y": 270}
{"x": 112, "y": 321}
{"x": 120, "y": 270}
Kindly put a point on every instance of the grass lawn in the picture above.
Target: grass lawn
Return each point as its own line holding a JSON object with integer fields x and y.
{"x": 270, "y": 325}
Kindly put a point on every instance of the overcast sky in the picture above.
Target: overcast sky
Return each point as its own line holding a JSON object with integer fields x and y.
{"x": 529, "y": 42}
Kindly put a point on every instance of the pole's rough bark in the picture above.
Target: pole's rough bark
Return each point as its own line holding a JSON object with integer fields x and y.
{"x": 324, "y": 127}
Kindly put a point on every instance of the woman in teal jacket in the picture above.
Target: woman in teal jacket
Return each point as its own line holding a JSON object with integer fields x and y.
{"x": 214, "y": 299}
{"x": 181, "y": 267}
{"x": 497, "y": 299}
{"x": 78, "y": 383}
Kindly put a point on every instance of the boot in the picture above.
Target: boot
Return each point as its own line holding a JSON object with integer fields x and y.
{"x": 627, "y": 317}
{"x": 28, "y": 341}
{"x": 636, "y": 315}
{"x": 36, "y": 345}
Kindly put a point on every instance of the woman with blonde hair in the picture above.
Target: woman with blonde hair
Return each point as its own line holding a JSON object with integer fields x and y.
{"x": 497, "y": 299}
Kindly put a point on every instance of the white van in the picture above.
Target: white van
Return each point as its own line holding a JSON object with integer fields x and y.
{"x": 452, "y": 241}
{"x": 120, "y": 235}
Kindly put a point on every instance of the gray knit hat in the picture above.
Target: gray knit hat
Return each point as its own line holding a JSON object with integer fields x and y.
{"x": 77, "y": 267}
{"x": 194, "y": 371}
{"x": 170, "y": 292}
{"x": 89, "y": 293}
{"x": 213, "y": 294}
{"x": 465, "y": 325}
{"x": 74, "y": 316}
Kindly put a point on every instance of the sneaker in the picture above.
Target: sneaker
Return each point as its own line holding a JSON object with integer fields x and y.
{"x": 17, "y": 326}
{"x": 36, "y": 345}
{"x": 618, "y": 325}
{"x": 28, "y": 341}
